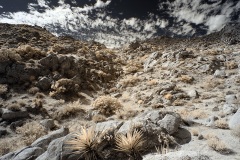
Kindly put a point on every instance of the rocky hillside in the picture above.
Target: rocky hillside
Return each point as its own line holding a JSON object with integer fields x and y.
{"x": 163, "y": 98}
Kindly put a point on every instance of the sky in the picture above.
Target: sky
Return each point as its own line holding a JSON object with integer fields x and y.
{"x": 117, "y": 22}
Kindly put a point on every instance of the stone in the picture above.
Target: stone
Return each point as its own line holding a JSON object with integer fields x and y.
{"x": 151, "y": 61}
{"x": 193, "y": 93}
{"x": 170, "y": 123}
{"x": 234, "y": 121}
{"x": 3, "y": 132}
{"x": 230, "y": 108}
{"x": 178, "y": 155}
{"x": 45, "y": 140}
{"x": 28, "y": 153}
{"x": 48, "y": 123}
{"x": 51, "y": 62}
{"x": 231, "y": 99}
{"x": 112, "y": 124}
{"x": 211, "y": 120}
{"x": 44, "y": 83}
{"x": 16, "y": 124}
{"x": 219, "y": 73}
{"x": 11, "y": 115}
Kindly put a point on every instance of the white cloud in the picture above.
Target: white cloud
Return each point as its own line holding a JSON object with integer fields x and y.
{"x": 216, "y": 23}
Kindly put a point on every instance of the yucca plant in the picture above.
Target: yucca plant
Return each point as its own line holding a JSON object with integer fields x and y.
{"x": 131, "y": 144}
{"x": 86, "y": 144}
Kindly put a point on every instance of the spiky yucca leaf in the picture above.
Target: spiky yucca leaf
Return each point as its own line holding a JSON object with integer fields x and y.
{"x": 131, "y": 143}
{"x": 85, "y": 143}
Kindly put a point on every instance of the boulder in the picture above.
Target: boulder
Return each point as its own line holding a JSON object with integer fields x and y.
{"x": 48, "y": 123}
{"x": 219, "y": 73}
{"x": 28, "y": 153}
{"x": 151, "y": 61}
{"x": 178, "y": 155}
{"x": 3, "y": 132}
{"x": 170, "y": 123}
{"x": 234, "y": 122}
{"x": 45, "y": 140}
{"x": 11, "y": 115}
{"x": 44, "y": 83}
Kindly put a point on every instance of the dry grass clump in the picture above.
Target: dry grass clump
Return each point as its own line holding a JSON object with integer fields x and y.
{"x": 64, "y": 85}
{"x": 14, "y": 107}
{"x": 221, "y": 123}
{"x": 9, "y": 55}
{"x": 33, "y": 90}
{"x": 131, "y": 144}
{"x": 39, "y": 95}
{"x": 152, "y": 82}
{"x": 165, "y": 140}
{"x": 216, "y": 144}
{"x": 3, "y": 89}
{"x": 68, "y": 110}
{"x": 196, "y": 114}
{"x": 31, "y": 131}
{"x": 211, "y": 83}
{"x": 107, "y": 105}
{"x": 168, "y": 96}
{"x": 29, "y": 52}
{"x": 98, "y": 118}
{"x": 126, "y": 114}
{"x": 133, "y": 66}
{"x": 38, "y": 103}
{"x": 86, "y": 143}
{"x": 129, "y": 81}
{"x": 8, "y": 145}
{"x": 231, "y": 65}
{"x": 194, "y": 132}
{"x": 186, "y": 79}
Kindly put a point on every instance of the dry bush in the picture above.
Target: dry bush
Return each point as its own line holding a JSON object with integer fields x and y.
{"x": 14, "y": 107}
{"x": 39, "y": 95}
{"x": 216, "y": 144}
{"x": 99, "y": 118}
{"x": 133, "y": 66}
{"x": 64, "y": 85}
{"x": 221, "y": 123}
{"x": 9, "y": 55}
{"x": 31, "y": 131}
{"x": 231, "y": 65}
{"x": 179, "y": 102}
{"x": 211, "y": 83}
{"x": 195, "y": 132}
{"x": 131, "y": 144}
{"x": 107, "y": 105}
{"x": 168, "y": 96}
{"x": 186, "y": 79}
{"x": 29, "y": 52}
{"x": 196, "y": 114}
{"x": 38, "y": 103}
{"x": 68, "y": 110}
{"x": 126, "y": 114}
{"x": 129, "y": 81}
{"x": 152, "y": 82}
{"x": 10, "y": 144}
{"x": 85, "y": 143}
{"x": 33, "y": 90}
{"x": 3, "y": 89}
{"x": 164, "y": 141}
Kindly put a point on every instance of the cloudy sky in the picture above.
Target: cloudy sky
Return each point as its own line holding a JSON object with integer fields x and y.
{"x": 117, "y": 22}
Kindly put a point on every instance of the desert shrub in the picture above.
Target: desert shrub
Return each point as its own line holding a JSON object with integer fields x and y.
{"x": 195, "y": 132}
{"x": 9, "y": 55}
{"x": 221, "y": 123}
{"x": 129, "y": 81}
{"x": 3, "y": 89}
{"x": 186, "y": 79}
{"x": 10, "y": 144}
{"x": 216, "y": 144}
{"x": 133, "y": 66}
{"x": 29, "y": 52}
{"x": 33, "y": 90}
{"x": 107, "y": 105}
{"x": 131, "y": 144}
{"x": 31, "y": 131}
{"x": 99, "y": 118}
{"x": 86, "y": 144}
{"x": 14, "y": 107}
{"x": 68, "y": 110}
{"x": 231, "y": 65}
{"x": 63, "y": 86}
